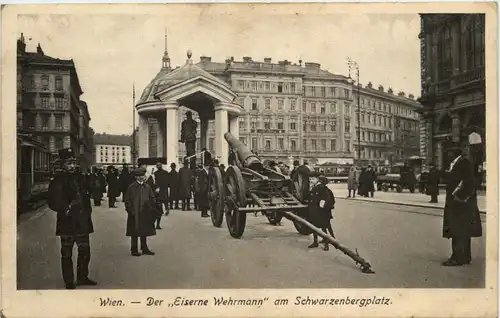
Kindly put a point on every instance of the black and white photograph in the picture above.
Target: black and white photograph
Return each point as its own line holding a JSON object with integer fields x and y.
{"x": 250, "y": 160}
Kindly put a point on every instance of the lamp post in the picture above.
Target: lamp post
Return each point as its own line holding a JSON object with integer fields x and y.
{"x": 354, "y": 65}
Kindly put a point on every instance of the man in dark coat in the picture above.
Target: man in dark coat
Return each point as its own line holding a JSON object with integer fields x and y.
{"x": 96, "y": 186}
{"x": 370, "y": 178}
{"x": 185, "y": 180}
{"x": 362, "y": 182}
{"x": 173, "y": 184}
{"x": 113, "y": 186}
{"x": 126, "y": 179}
{"x": 153, "y": 183}
{"x": 102, "y": 180}
{"x": 142, "y": 213}
{"x": 320, "y": 208}
{"x": 207, "y": 157}
{"x": 162, "y": 180}
{"x": 432, "y": 187}
{"x": 202, "y": 187}
{"x": 296, "y": 165}
{"x": 461, "y": 219}
{"x": 67, "y": 196}
{"x": 189, "y": 127}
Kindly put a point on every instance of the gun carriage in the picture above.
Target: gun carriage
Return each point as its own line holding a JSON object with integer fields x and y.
{"x": 247, "y": 186}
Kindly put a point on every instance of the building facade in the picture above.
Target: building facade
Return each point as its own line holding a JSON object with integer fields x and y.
{"x": 297, "y": 111}
{"x": 112, "y": 149}
{"x": 49, "y": 106}
{"x": 453, "y": 84}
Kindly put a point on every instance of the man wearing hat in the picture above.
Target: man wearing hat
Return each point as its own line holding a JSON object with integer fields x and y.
{"x": 173, "y": 179}
{"x": 321, "y": 203}
{"x": 188, "y": 135}
{"x": 142, "y": 213}
{"x": 68, "y": 197}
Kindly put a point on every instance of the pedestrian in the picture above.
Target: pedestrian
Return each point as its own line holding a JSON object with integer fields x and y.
{"x": 461, "y": 219}
{"x": 185, "y": 180}
{"x": 320, "y": 206}
{"x": 207, "y": 157}
{"x": 362, "y": 182}
{"x": 153, "y": 183}
{"x": 296, "y": 165}
{"x": 202, "y": 187}
{"x": 67, "y": 196}
{"x": 102, "y": 180}
{"x": 432, "y": 187}
{"x": 113, "y": 186}
{"x": 141, "y": 213}
{"x": 162, "y": 178}
{"x": 352, "y": 181}
{"x": 370, "y": 179}
{"x": 126, "y": 179}
{"x": 96, "y": 186}
{"x": 173, "y": 184}
{"x": 194, "y": 186}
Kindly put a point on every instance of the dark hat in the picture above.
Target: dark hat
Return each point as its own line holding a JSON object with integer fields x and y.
{"x": 296, "y": 162}
{"x": 66, "y": 154}
{"x": 323, "y": 179}
{"x": 139, "y": 172}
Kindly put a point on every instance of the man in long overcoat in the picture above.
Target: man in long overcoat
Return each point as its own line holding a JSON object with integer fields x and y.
{"x": 126, "y": 179}
{"x": 102, "y": 180}
{"x": 352, "y": 181}
{"x": 321, "y": 203}
{"x": 189, "y": 127}
{"x": 185, "y": 180}
{"x": 432, "y": 187}
{"x": 369, "y": 179}
{"x": 153, "y": 183}
{"x": 173, "y": 184}
{"x": 162, "y": 180}
{"x": 141, "y": 213}
{"x": 68, "y": 197}
{"x": 113, "y": 186}
{"x": 202, "y": 187}
{"x": 461, "y": 219}
{"x": 96, "y": 186}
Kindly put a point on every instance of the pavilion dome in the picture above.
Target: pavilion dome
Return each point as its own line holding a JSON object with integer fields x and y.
{"x": 167, "y": 78}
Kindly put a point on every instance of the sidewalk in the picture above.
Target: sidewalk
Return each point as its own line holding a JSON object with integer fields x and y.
{"x": 404, "y": 198}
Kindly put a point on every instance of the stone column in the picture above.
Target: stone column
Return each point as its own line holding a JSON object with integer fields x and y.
{"x": 221, "y": 127}
{"x": 234, "y": 127}
{"x": 160, "y": 137}
{"x": 143, "y": 143}
{"x": 203, "y": 132}
{"x": 172, "y": 132}
{"x": 455, "y": 127}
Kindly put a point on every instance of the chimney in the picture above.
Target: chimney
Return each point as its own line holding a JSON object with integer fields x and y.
{"x": 390, "y": 91}
{"x": 205, "y": 59}
{"x": 381, "y": 88}
{"x": 312, "y": 66}
{"x": 247, "y": 59}
{"x": 267, "y": 60}
{"x": 401, "y": 94}
{"x": 370, "y": 85}
{"x": 281, "y": 63}
{"x": 411, "y": 96}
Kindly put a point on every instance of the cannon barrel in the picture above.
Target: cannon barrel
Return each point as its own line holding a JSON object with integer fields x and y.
{"x": 247, "y": 158}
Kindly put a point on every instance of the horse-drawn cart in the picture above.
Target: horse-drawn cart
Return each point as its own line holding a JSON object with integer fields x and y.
{"x": 249, "y": 187}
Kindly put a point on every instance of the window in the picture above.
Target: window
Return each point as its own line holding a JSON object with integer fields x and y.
{"x": 313, "y": 89}
{"x": 348, "y": 145}
{"x": 304, "y": 107}
{"x": 363, "y": 135}
{"x": 332, "y": 91}
{"x": 323, "y": 91}
{"x": 333, "y": 108}
{"x": 333, "y": 125}
{"x": 346, "y": 93}
{"x": 45, "y": 102}
{"x": 292, "y": 87}
{"x": 45, "y": 121}
{"x": 32, "y": 82}
{"x": 293, "y": 145}
{"x": 254, "y": 86}
{"x": 333, "y": 144}
{"x": 211, "y": 142}
{"x": 293, "y": 126}
{"x": 347, "y": 109}
{"x": 280, "y": 104}
{"x": 253, "y": 124}
{"x": 390, "y": 123}
{"x": 59, "y": 122}
{"x": 267, "y": 125}
{"x": 379, "y": 106}
{"x": 280, "y": 125}
{"x": 242, "y": 124}
{"x": 267, "y": 144}
{"x": 322, "y": 108}
{"x": 241, "y": 85}
{"x": 313, "y": 107}
{"x": 347, "y": 126}
{"x": 280, "y": 87}
{"x": 304, "y": 126}
{"x": 268, "y": 104}
{"x": 254, "y": 143}
{"x": 323, "y": 126}
{"x": 59, "y": 85}
{"x": 474, "y": 42}
{"x": 45, "y": 82}
{"x": 254, "y": 104}
{"x": 313, "y": 145}
{"x": 293, "y": 104}
{"x": 313, "y": 127}
{"x": 281, "y": 143}
{"x": 304, "y": 144}
{"x": 444, "y": 59}
{"x": 268, "y": 86}
{"x": 322, "y": 144}
{"x": 59, "y": 103}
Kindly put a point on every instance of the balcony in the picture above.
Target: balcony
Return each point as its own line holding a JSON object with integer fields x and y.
{"x": 468, "y": 77}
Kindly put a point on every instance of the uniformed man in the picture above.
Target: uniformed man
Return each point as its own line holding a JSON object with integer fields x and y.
{"x": 70, "y": 200}
{"x": 188, "y": 136}
{"x": 320, "y": 208}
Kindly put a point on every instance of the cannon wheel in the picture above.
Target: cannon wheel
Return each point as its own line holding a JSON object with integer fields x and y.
{"x": 399, "y": 188}
{"x": 216, "y": 196}
{"x": 301, "y": 228}
{"x": 300, "y": 187}
{"x": 385, "y": 187}
{"x": 236, "y": 198}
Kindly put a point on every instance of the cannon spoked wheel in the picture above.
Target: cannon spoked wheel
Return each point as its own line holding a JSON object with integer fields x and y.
{"x": 235, "y": 198}
{"x": 216, "y": 196}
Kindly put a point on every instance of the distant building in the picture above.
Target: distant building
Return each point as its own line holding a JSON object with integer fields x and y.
{"x": 453, "y": 84}
{"x": 48, "y": 103}
{"x": 112, "y": 149}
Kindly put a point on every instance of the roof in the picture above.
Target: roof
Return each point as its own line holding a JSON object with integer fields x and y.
{"x": 33, "y": 57}
{"x": 166, "y": 78}
{"x": 108, "y": 139}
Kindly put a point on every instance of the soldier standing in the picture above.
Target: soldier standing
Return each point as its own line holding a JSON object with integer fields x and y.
{"x": 68, "y": 197}
{"x": 173, "y": 184}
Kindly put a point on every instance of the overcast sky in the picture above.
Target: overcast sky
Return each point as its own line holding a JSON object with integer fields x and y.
{"x": 113, "y": 51}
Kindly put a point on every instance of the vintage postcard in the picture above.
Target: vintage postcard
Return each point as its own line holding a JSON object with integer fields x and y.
{"x": 249, "y": 160}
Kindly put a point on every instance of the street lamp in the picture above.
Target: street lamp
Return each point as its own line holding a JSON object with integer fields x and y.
{"x": 354, "y": 65}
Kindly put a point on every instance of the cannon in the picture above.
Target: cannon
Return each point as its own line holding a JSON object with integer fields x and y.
{"x": 247, "y": 186}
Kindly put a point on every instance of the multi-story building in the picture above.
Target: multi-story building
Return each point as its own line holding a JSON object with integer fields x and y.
{"x": 112, "y": 149}
{"x": 389, "y": 125}
{"x": 293, "y": 110}
{"x": 453, "y": 84}
{"x": 49, "y": 105}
